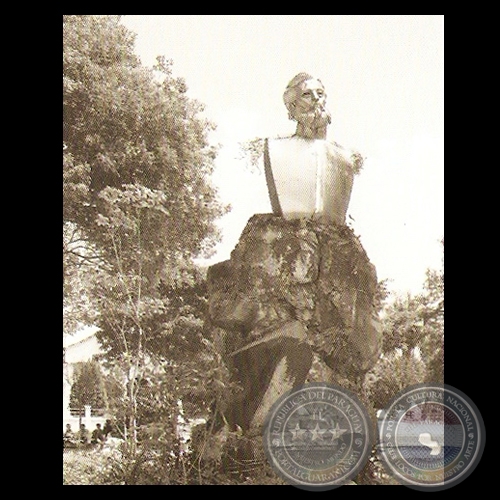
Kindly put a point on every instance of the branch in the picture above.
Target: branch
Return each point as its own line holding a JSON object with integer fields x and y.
{"x": 77, "y": 240}
{"x": 83, "y": 257}
{"x": 72, "y": 235}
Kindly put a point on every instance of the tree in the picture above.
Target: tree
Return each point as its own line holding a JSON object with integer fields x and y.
{"x": 413, "y": 341}
{"x": 153, "y": 331}
{"x": 130, "y": 131}
{"x": 412, "y": 352}
{"x": 137, "y": 200}
{"x": 433, "y": 320}
{"x": 89, "y": 387}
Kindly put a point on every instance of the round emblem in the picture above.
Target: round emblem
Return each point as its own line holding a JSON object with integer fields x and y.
{"x": 431, "y": 436}
{"x": 318, "y": 436}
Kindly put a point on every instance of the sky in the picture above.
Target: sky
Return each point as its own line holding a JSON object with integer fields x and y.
{"x": 384, "y": 77}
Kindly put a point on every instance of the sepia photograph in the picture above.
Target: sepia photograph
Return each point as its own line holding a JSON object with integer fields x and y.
{"x": 253, "y": 253}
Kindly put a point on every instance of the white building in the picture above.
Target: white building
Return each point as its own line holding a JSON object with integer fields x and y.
{"x": 78, "y": 348}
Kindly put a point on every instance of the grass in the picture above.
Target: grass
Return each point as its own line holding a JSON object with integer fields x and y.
{"x": 85, "y": 466}
{"x": 93, "y": 466}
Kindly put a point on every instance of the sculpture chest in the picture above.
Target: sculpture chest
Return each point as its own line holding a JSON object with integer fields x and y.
{"x": 313, "y": 178}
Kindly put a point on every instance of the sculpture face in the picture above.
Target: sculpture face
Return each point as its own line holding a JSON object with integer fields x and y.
{"x": 311, "y": 95}
{"x": 308, "y": 109}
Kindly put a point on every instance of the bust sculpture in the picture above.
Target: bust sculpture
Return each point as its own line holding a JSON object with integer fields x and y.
{"x": 307, "y": 175}
{"x": 295, "y": 300}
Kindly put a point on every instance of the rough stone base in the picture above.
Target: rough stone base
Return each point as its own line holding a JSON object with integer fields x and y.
{"x": 294, "y": 303}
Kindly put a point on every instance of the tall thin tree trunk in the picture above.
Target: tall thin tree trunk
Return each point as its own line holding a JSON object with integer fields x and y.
{"x": 132, "y": 418}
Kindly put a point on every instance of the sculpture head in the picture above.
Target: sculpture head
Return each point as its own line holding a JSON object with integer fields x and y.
{"x": 305, "y": 99}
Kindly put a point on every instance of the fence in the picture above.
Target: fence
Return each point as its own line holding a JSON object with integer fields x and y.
{"x": 86, "y": 415}
{"x": 94, "y": 412}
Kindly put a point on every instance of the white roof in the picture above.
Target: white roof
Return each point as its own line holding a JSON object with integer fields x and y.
{"x": 79, "y": 336}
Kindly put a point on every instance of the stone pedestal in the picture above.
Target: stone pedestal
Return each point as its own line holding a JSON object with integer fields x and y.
{"x": 294, "y": 303}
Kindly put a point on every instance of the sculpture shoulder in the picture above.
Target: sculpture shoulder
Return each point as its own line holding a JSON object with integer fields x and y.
{"x": 351, "y": 157}
{"x": 335, "y": 148}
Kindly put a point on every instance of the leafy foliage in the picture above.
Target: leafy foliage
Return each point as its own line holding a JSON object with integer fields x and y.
{"x": 394, "y": 372}
{"x": 133, "y": 138}
{"x": 89, "y": 387}
{"x": 413, "y": 352}
{"x": 138, "y": 205}
{"x": 413, "y": 342}
{"x": 252, "y": 152}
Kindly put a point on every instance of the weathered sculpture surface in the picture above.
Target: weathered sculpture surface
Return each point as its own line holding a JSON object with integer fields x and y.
{"x": 295, "y": 301}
